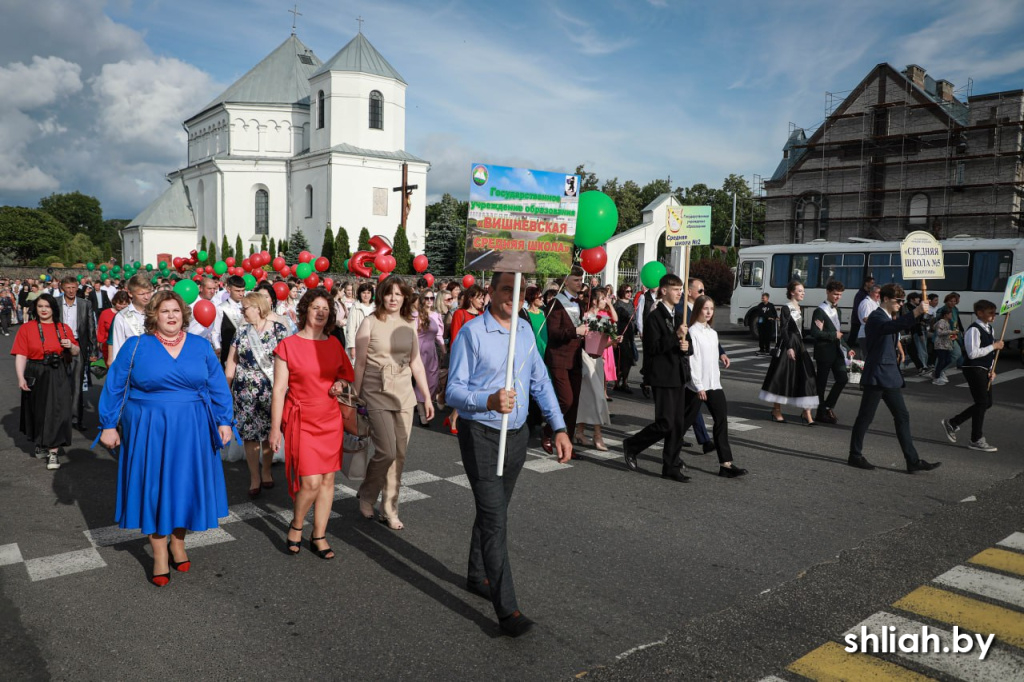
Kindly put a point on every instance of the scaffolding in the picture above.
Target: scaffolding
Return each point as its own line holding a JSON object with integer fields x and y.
{"x": 912, "y": 156}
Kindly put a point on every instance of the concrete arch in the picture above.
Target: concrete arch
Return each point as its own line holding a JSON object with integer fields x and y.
{"x": 646, "y": 235}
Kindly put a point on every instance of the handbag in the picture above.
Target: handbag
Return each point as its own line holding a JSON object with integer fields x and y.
{"x": 356, "y": 458}
{"x": 353, "y": 412}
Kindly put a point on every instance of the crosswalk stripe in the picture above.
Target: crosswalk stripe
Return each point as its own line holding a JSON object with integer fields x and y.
{"x": 986, "y": 584}
{"x": 1000, "y": 559}
{"x": 67, "y": 563}
{"x": 955, "y": 609}
{"x": 10, "y": 554}
{"x": 1015, "y": 541}
{"x": 831, "y": 663}
{"x": 1003, "y": 376}
{"x": 999, "y": 664}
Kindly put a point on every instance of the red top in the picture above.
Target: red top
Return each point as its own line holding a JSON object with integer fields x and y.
{"x": 459, "y": 318}
{"x": 27, "y": 341}
{"x": 311, "y": 422}
{"x": 103, "y": 326}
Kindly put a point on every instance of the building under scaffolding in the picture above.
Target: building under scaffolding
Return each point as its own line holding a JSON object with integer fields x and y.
{"x": 900, "y": 153}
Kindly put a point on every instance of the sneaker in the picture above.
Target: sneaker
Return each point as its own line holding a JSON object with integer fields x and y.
{"x": 925, "y": 372}
{"x": 982, "y": 444}
{"x": 52, "y": 461}
{"x": 950, "y": 430}
{"x": 40, "y": 453}
{"x": 941, "y": 381}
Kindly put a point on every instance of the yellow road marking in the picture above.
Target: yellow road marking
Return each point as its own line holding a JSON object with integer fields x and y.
{"x": 1005, "y": 624}
{"x": 831, "y": 663}
{"x": 1000, "y": 559}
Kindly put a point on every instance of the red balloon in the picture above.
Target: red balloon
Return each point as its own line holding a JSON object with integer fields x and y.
{"x": 468, "y": 281}
{"x": 254, "y": 260}
{"x": 312, "y": 281}
{"x": 385, "y": 262}
{"x": 281, "y": 290}
{"x": 247, "y": 265}
{"x": 197, "y": 279}
{"x": 429, "y": 278}
{"x": 321, "y": 264}
{"x": 328, "y": 283}
{"x": 286, "y": 271}
{"x": 265, "y": 257}
{"x": 593, "y": 260}
{"x": 305, "y": 257}
{"x": 382, "y": 276}
{"x": 208, "y": 269}
{"x": 177, "y": 262}
{"x": 204, "y": 312}
{"x": 259, "y": 274}
{"x": 420, "y": 263}
{"x": 278, "y": 263}
{"x": 229, "y": 261}
{"x": 362, "y": 261}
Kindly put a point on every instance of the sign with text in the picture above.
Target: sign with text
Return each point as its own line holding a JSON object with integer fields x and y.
{"x": 921, "y": 256}
{"x": 519, "y": 218}
{"x": 1014, "y": 295}
{"x": 687, "y": 226}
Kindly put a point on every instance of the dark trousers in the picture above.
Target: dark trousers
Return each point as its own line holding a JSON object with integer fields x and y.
{"x": 623, "y": 362}
{"x": 893, "y": 397}
{"x": 764, "y": 337}
{"x": 719, "y": 409}
{"x": 488, "y": 548}
{"x": 700, "y": 429}
{"x": 79, "y": 363}
{"x": 566, "y": 383}
{"x": 838, "y": 369}
{"x": 981, "y": 394}
{"x": 942, "y": 359}
{"x": 667, "y": 425}
{"x": 5, "y": 320}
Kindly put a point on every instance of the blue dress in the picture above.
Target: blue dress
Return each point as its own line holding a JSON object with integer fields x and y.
{"x": 170, "y": 473}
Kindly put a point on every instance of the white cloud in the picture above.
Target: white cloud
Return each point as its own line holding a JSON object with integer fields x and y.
{"x": 44, "y": 81}
{"x": 588, "y": 39}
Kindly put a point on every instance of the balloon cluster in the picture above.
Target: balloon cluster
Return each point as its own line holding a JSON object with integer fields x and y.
{"x": 596, "y": 219}
{"x": 362, "y": 262}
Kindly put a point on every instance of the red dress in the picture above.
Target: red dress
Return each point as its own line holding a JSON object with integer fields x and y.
{"x": 311, "y": 422}
{"x": 459, "y": 318}
{"x": 103, "y": 331}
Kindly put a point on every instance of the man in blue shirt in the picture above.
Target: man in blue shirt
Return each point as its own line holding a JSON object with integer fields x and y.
{"x": 476, "y": 380}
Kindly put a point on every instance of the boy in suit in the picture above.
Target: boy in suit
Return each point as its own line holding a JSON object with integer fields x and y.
{"x": 829, "y": 353}
{"x": 667, "y": 369}
{"x": 882, "y": 379}
{"x": 562, "y": 356}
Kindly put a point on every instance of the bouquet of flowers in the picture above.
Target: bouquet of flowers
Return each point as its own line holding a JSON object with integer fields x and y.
{"x": 601, "y": 325}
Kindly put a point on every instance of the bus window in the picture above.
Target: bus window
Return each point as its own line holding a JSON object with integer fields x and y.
{"x": 847, "y": 268}
{"x": 805, "y": 267}
{"x": 887, "y": 268}
{"x": 956, "y": 266}
{"x": 991, "y": 270}
{"x": 780, "y": 270}
{"x": 752, "y": 273}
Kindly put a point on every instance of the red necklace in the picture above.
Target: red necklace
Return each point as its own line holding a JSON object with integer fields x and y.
{"x": 171, "y": 342}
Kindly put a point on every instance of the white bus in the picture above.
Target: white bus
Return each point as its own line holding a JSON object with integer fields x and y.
{"x": 975, "y": 268}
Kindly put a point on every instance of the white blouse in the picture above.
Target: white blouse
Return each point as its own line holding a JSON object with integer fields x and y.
{"x": 704, "y": 372}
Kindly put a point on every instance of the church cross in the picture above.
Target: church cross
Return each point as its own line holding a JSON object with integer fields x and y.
{"x": 406, "y": 190}
{"x": 295, "y": 16}
{"x": 360, "y": 20}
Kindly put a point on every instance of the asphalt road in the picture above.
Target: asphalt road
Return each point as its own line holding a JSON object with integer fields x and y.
{"x": 629, "y": 576}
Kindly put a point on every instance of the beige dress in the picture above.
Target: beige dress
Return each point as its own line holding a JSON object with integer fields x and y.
{"x": 388, "y": 393}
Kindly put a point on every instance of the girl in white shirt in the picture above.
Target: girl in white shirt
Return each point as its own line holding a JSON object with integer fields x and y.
{"x": 705, "y": 385}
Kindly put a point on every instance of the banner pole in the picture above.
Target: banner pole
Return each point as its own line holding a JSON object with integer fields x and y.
{"x": 995, "y": 360}
{"x": 513, "y": 327}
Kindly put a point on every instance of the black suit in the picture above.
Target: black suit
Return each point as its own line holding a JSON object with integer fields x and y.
{"x": 99, "y": 300}
{"x": 829, "y": 356}
{"x": 86, "y": 337}
{"x": 666, "y": 369}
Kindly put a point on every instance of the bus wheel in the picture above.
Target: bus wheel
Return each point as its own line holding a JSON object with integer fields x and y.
{"x": 752, "y": 326}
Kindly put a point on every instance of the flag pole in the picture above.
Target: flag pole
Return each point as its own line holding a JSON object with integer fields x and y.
{"x": 514, "y": 325}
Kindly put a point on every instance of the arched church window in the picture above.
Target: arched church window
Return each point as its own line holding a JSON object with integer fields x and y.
{"x": 309, "y": 201}
{"x": 320, "y": 109}
{"x": 917, "y": 213}
{"x": 376, "y": 110}
{"x": 810, "y": 218}
{"x": 262, "y": 212}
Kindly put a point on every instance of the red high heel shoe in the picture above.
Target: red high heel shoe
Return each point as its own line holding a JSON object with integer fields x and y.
{"x": 160, "y": 580}
{"x": 448, "y": 423}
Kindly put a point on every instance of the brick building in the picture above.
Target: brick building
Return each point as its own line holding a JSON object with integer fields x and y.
{"x": 902, "y": 153}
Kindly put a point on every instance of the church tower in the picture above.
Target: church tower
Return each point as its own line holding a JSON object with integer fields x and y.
{"x": 358, "y": 99}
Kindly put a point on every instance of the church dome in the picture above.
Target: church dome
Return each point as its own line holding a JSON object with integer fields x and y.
{"x": 359, "y": 56}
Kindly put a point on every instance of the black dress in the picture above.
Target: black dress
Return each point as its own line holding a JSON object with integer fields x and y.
{"x": 790, "y": 382}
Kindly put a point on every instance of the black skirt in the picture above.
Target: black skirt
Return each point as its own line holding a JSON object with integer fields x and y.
{"x": 46, "y": 408}
{"x": 791, "y": 382}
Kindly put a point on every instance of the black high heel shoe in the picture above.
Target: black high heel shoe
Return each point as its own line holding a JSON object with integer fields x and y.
{"x": 180, "y": 566}
{"x": 293, "y": 546}
{"x": 322, "y": 553}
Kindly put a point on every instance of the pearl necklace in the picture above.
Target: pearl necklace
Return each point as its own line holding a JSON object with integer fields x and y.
{"x": 171, "y": 342}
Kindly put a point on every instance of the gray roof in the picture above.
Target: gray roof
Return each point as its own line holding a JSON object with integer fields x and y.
{"x": 796, "y": 146}
{"x": 281, "y": 78}
{"x": 956, "y": 109}
{"x": 346, "y": 148}
{"x": 360, "y": 56}
{"x": 171, "y": 209}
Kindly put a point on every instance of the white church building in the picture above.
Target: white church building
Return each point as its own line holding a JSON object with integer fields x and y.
{"x": 294, "y": 144}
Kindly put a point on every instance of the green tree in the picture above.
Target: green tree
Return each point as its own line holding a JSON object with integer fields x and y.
{"x": 402, "y": 254}
{"x": 327, "y": 248}
{"x": 75, "y": 211}
{"x": 27, "y": 233}
{"x": 445, "y": 245}
{"x": 272, "y": 249}
{"x": 448, "y": 209}
{"x": 296, "y": 245}
{"x": 263, "y": 243}
{"x": 459, "y": 247}
{"x": 202, "y": 244}
{"x": 211, "y": 253}
{"x": 252, "y": 248}
{"x": 364, "y": 240}
{"x": 225, "y": 249}
{"x": 108, "y": 238}
{"x": 282, "y": 249}
{"x": 80, "y": 249}
{"x": 588, "y": 181}
{"x": 342, "y": 251}
{"x": 239, "y": 248}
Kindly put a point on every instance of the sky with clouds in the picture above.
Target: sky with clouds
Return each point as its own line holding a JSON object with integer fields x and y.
{"x": 93, "y": 92}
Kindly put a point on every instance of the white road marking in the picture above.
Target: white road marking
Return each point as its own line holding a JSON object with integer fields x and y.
{"x": 406, "y": 494}
{"x": 461, "y": 479}
{"x": 111, "y": 535}
{"x": 208, "y": 537}
{"x": 1015, "y": 541}
{"x": 418, "y": 477}
{"x": 635, "y": 649}
{"x": 1004, "y": 376}
{"x": 992, "y": 585}
{"x": 999, "y": 664}
{"x": 343, "y": 492}
{"x": 543, "y": 466}
{"x": 10, "y": 554}
{"x": 67, "y": 563}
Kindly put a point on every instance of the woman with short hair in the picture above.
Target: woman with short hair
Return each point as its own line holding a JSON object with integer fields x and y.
{"x": 43, "y": 368}
{"x": 471, "y": 305}
{"x": 168, "y": 394}
{"x": 250, "y": 374}
{"x": 359, "y": 311}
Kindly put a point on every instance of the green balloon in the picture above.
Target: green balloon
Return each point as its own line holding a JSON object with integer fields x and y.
{"x": 188, "y": 290}
{"x": 155, "y": 280}
{"x": 652, "y": 273}
{"x": 250, "y": 282}
{"x": 202, "y": 255}
{"x": 90, "y": 266}
{"x": 149, "y": 267}
{"x": 220, "y": 267}
{"x": 103, "y": 267}
{"x": 136, "y": 265}
{"x": 79, "y": 278}
{"x": 596, "y": 219}
{"x": 163, "y": 265}
{"x": 344, "y": 266}
{"x": 303, "y": 270}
